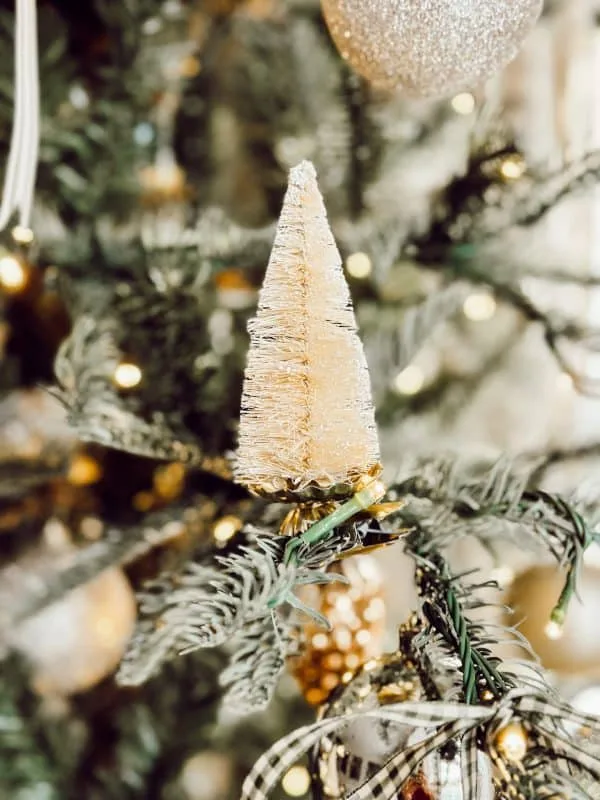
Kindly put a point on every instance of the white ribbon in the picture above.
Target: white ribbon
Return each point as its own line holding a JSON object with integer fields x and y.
{"x": 21, "y": 169}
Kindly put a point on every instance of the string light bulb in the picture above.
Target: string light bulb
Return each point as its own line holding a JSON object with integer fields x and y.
{"x": 479, "y": 307}
{"x": 410, "y": 381}
{"x": 296, "y": 781}
{"x": 127, "y": 375}
{"x": 143, "y": 501}
{"x": 13, "y": 275}
{"x": 169, "y": 480}
{"x": 163, "y": 181}
{"x": 22, "y": 235}
{"x": 463, "y": 103}
{"x": 78, "y": 97}
{"x": 226, "y": 528}
{"x": 359, "y": 266}
{"x": 512, "y": 742}
{"x": 84, "y": 470}
{"x": 554, "y": 630}
{"x": 513, "y": 168}
{"x": 189, "y": 67}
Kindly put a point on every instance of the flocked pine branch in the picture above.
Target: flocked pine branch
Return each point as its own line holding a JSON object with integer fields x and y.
{"x": 547, "y": 193}
{"x": 259, "y": 654}
{"x": 208, "y": 602}
{"x": 480, "y": 204}
{"x": 18, "y": 477}
{"x": 547, "y": 460}
{"x": 450, "y": 502}
{"x": 452, "y": 636}
{"x": 476, "y": 499}
{"x": 205, "y": 604}
{"x": 220, "y": 242}
{"x": 560, "y": 333}
{"x": 200, "y": 607}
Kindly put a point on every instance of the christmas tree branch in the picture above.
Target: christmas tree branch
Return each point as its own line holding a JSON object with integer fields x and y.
{"x": 246, "y": 595}
{"x": 550, "y": 190}
{"x": 18, "y": 476}
{"x": 442, "y": 601}
{"x": 464, "y": 263}
{"x": 464, "y": 216}
{"x": 560, "y": 276}
{"x": 545, "y": 461}
{"x": 459, "y": 503}
{"x": 256, "y": 665}
{"x": 393, "y": 337}
{"x": 448, "y": 394}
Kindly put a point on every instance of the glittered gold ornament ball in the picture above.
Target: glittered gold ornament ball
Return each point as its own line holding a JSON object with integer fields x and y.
{"x": 429, "y": 48}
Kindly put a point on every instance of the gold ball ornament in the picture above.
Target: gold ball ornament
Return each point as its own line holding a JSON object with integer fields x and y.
{"x": 75, "y": 643}
{"x": 573, "y": 649}
{"x": 356, "y": 612}
{"x": 429, "y": 48}
{"x": 345, "y": 760}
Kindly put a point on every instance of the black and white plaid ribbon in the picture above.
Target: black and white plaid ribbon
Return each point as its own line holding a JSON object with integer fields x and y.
{"x": 21, "y": 168}
{"x": 450, "y": 721}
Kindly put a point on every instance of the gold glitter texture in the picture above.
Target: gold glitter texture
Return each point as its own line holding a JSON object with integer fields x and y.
{"x": 429, "y": 47}
{"x": 307, "y": 416}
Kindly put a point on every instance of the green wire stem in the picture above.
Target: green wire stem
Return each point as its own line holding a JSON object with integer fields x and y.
{"x": 364, "y": 498}
{"x": 586, "y": 538}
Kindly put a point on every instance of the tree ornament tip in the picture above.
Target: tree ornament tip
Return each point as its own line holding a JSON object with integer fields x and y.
{"x": 303, "y": 172}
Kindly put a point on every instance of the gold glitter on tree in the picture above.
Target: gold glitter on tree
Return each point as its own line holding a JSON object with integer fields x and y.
{"x": 307, "y": 424}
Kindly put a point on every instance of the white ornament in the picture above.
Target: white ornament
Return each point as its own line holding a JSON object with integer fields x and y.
{"x": 429, "y": 47}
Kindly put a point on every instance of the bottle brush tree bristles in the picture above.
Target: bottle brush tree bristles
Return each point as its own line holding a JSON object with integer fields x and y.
{"x": 307, "y": 420}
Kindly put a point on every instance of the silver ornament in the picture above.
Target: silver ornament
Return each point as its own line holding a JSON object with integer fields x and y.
{"x": 429, "y": 47}
{"x": 346, "y": 760}
{"x": 442, "y": 776}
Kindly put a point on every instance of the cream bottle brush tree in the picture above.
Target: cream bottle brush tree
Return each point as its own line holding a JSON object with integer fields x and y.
{"x": 307, "y": 427}
{"x": 307, "y": 420}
